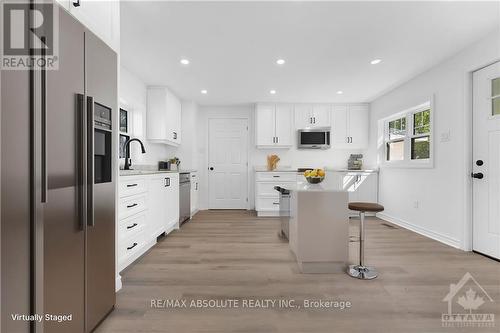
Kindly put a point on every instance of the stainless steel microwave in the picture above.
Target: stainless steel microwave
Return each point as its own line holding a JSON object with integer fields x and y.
{"x": 314, "y": 138}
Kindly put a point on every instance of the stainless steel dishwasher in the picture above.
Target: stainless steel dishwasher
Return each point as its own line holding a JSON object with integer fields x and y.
{"x": 284, "y": 211}
{"x": 184, "y": 197}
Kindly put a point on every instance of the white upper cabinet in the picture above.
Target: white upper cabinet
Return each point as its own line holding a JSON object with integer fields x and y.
{"x": 312, "y": 115}
{"x": 264, "y": 124}
{"x": 273, "y": 125}
{"x": 340, "y": 120}
{"x": 321, "y": 115}
{"x": 163, "y": 116}
{"x": 303, "y": 116}
{"x": 101, "y": 17}
{"x": 284, "y": 124}
{"x": 350, "y": 126}
{"x": 359, "y": 125}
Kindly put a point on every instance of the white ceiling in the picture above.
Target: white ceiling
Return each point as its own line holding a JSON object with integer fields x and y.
{"x": 328, "y": 46}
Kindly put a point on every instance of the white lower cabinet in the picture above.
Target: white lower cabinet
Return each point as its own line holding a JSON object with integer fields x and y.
{"x": 361, "y": 185}
{"x": 172, "y": 220}
{"x": 148, "y": 207}
{"x": 266, "y": 197}
{"x": 158, "y": 211}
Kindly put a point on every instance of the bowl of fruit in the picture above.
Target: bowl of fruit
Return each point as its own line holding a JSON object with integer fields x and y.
{"x": 315, "y": 176}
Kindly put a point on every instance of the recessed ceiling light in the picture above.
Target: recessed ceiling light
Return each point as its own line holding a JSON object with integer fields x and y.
{"x": 184, "y": 61}
{"x": 280, "y": 61}
{"x": 340, "y": 92}
{"x": 375, "y": 61}
{"x": 272, "y": 92}
{"x": 204, "y": 91}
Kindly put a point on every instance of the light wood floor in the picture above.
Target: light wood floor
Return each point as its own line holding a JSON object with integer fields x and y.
{"x": 233, "y": 254}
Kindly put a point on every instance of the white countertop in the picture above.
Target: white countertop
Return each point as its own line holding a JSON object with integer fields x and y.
{"x": 278, "y": 169}
{"x": 347, "y": 170}
{"x": 321, "y": 187}
{"x": 187, "y": 170}
{"x": 144, "y": 172}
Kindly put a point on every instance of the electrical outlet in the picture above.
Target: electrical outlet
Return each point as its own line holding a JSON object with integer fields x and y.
{"x": 416, "y": 204}
{"x": 446, "y": 136}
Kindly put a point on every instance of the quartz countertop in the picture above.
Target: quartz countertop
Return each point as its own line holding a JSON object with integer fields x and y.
{"x": 325, "y": 186}
{"x": 144, "y": 172}
{"x": 187, "y": 170}
{"x": 347, "y": 170}
{"x": 278, "y": 169}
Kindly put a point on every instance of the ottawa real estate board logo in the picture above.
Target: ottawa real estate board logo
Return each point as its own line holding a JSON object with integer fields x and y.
{"x": 471, "y": 297}
{"x": 29, "y": 36}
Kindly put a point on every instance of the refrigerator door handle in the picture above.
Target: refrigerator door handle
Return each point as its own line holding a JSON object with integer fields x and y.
{"x": 90, "y": 161}
{"x": 44, "y": 128}
{"x": 82, "y": 160}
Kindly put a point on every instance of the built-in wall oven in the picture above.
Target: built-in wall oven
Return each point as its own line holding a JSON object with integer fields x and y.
{"x": 314, "y": 138}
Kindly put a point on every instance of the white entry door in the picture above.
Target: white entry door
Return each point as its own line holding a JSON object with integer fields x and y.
{"x": 227, "y": 162}
{"x": 486, "y": 155}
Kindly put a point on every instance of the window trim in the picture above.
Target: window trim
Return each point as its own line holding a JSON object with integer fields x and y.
{"x": 408, "y": 162}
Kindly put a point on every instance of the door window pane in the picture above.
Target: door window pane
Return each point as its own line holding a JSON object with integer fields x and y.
{"x": 495, "y": 87}
{"x": 420, "y": 148}
{"x": 396, "y": 150}
{"x": 496, "y": 106}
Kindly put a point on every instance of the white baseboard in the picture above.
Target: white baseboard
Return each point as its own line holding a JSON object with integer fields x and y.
{"x": 422, "y": 231}
{"x": 266, "y": 213}
{"x": 118, "y": 282}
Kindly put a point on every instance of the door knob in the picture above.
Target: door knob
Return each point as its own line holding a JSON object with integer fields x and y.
{"x": 478, "y": 175}
{"x": 211, "y": 168}
{"x": 479, "y": 162}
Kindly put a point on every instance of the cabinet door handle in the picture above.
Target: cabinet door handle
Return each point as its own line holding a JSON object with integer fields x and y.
{"x": 131, "y": 226}
{"x": 314, "y": 120}
{"x": 131, "y": 185}
{"x": 132, "y": 205}
{"x": 168, "y": 181}
{"x": 76, "y": 3}
{"x": 276, "y": 203}
{"x": 276, "y": 176}
{"x": 131, "y": 247}
{"x": 196, "y": 187}
{"x": 175, "y": 135}
{"x": 277, "y": 139}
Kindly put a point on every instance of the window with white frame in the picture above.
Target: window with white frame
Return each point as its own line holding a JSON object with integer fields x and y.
{"x": 408, "y": 135}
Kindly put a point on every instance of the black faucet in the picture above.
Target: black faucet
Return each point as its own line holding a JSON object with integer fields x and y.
{"x": 126, "y": 146}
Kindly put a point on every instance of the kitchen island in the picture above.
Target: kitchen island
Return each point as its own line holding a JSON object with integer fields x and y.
{"x": 319, "y": 227}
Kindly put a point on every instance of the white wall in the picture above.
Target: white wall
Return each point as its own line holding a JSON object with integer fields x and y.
{"x": 133, "y": 97}
{"x": 257, "y": 157}
{"x": 442, "y": 192}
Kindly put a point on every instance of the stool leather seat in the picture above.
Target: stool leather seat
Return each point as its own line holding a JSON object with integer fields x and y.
{"x": 365, "y": 207}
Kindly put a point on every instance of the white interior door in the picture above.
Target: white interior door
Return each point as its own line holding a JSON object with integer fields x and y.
{"x": 228, "y": 167}
{"x": 486, "y": 155}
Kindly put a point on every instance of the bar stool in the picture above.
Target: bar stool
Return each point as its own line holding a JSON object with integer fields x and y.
{"x": 361, "y": 271}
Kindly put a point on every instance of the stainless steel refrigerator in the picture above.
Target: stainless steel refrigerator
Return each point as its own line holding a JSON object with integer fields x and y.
{"x": 58, "y": 160}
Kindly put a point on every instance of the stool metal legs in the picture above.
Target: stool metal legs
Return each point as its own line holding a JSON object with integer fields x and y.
{"x": 361, "y": 271}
